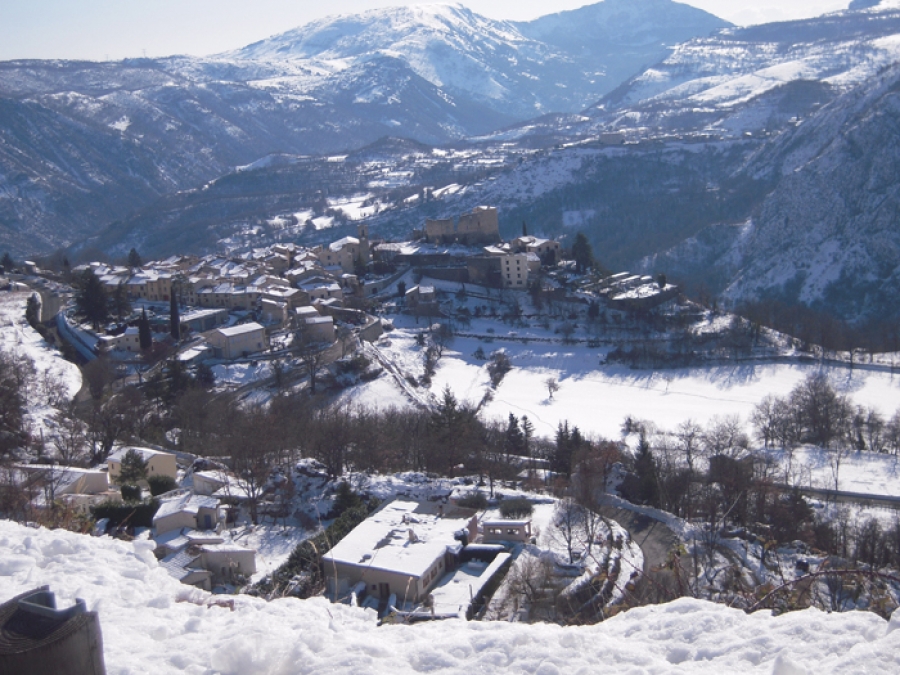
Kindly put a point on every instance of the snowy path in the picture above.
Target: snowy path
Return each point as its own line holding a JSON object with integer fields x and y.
{"x": 398, "y": 378}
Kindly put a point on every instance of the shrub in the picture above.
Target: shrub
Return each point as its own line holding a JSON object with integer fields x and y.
{"x": 344, "y": 499}
{"x": 161, "y": 484}
{"x": 516, "y": 508}
{"x": 498, "y": 367}
{"x": 131, "y": 493}
{"x": 137, "y": 515}
{"x": 474, "y": 500}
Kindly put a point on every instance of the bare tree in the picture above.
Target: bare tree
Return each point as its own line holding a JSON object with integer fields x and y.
{"x": 552, "y": 386}
{"x": 70, "y": 439}
{"x": 690, "y": 436}
{"x": 725, "y": 436}
{"x": 568, "y": 521}
{"x": 249, "y": 443}
{"x": 312, "y": 355}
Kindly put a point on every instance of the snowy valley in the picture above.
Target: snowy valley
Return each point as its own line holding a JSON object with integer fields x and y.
{"x": 419, "y": 341}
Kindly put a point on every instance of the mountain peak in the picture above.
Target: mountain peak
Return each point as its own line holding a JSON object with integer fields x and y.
{"x": 345, "y": 35}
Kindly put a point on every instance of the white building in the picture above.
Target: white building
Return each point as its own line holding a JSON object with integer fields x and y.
{"x": 402, "y": 549}
{"x": 159, "y": 463}
{"x": 236, "y": 341}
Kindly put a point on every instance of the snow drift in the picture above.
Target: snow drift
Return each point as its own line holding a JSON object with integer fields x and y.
{"x": 153, "y": 624}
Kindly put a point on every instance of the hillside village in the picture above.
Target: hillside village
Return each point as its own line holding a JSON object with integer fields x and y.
{"x": 497, "y": 521}
{"x": 319, "y": 304}
{"x": 235, "y": 307}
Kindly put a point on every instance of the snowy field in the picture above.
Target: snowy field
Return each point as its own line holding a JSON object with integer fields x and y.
{"x": 866, "y": 472}
{"x": 597, "y": 398}
{"x": 153, "y": 624}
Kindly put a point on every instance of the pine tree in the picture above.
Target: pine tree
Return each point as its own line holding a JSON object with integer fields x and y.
{"x": 582, "y": 253}
{"x": 514, "y": 441}
{"x": 645, "y": 468}
{"x": 204, "y": 377}
{"x": 121, "y": 305}
{"x": 527, "y": 435}
{"x": 134, "y": 258}
{"x": 91, "y": 303}
{"x": 560, "y": 461}
{"x": 133, "y": 468}
{"x": 174, "y": 318}
{"x": 33, "y": 310}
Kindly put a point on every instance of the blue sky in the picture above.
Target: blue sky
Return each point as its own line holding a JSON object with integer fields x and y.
{"x": 116, "y": 29}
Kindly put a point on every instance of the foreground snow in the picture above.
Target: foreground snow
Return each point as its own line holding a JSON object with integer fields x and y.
{"x": 153, "y": 624}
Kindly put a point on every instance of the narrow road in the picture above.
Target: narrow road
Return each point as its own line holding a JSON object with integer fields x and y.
{"x": 657, "y": 540}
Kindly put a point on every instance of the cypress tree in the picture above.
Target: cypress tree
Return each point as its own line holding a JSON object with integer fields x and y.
{"x": 174, "y": 318}
{"x": 144, "y": 335}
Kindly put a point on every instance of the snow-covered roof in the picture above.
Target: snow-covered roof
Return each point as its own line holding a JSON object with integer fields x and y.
{"x": 240, "y": 329}
{"x": 145, "y": 453}
{"x": 186, "y": 503}
{"x": 228, "y": 548}
{"x": 383, "y": 540}
{"x": 341, "y": 243}
{"x": 180, "y": 564}
{"x": 318, "y": 320}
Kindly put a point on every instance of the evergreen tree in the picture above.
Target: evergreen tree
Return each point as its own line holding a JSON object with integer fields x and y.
{"x": 174, "y": 317}
{"x": 121, "y": 304}
{"x": 134, "y": 258}
{"x": 33, "y": 310}
{"x": 7, "y": 262}
{"x": 524, "y": 229}
{"x": 514, "y": 441}
{"x": 561, "y": 460}
{"x": 179, "y": 379}
{"x": 145, "y": 337}
{"x": 133, "y": 468}
{"x": 205, "y": 377}
{"x": 91, "y": 303}
{"x": 645, "y": 468}
{"x": 582, "y": 253}
{"x": 527, "y": 435}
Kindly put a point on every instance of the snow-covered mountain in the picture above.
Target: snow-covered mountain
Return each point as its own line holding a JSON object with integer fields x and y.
{"x": 825, "y": 233}
{"x": 85, "y": 144}
{"x": 756, "y": 79}
{"x": 561, "y": 63}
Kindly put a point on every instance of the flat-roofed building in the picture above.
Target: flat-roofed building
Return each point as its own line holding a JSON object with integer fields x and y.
{"x": 236, "y": 341}
{"x": 402, "y": 549}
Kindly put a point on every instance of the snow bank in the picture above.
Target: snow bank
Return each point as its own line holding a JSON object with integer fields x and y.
{"x": 153, "y": 624}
